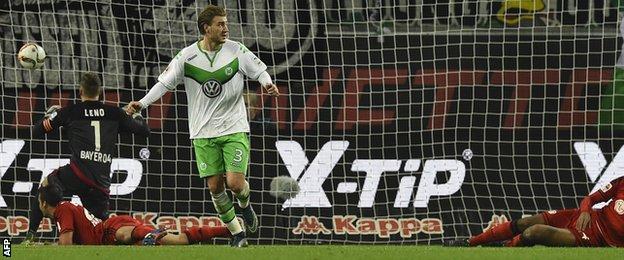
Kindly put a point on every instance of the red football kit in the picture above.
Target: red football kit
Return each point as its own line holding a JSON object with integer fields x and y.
{"x": 607, "y": 222}
{"x": 89, "y": 230}
{"x": 606, "y": 227}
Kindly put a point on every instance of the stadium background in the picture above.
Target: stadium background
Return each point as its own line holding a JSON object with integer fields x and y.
{"x": 420, "y": 83}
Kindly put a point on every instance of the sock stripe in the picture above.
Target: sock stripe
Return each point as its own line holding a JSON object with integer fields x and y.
{"x": 230, "y": 208}
{"x": 228, "y": 216}
{"x": 243, "y": 196}
{"x": 514, "y": 227}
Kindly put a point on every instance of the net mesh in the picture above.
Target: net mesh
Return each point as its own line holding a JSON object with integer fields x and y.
{"x": 403, "y": 121}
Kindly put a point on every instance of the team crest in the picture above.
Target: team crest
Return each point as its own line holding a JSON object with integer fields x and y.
{"x": 211, "y": 88}
{"x": 619, "y": 207}
{"x": 228, "y": 71}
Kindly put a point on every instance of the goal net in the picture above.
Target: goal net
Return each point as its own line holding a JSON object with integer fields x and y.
{"x": 404, "y": 122}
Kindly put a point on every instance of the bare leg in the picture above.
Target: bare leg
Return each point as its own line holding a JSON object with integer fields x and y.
{"x": 527, "y": 222}
{"x": 124, "y": 235}
{"x": 549, "y": 236}
{"x": 171, "y": 239}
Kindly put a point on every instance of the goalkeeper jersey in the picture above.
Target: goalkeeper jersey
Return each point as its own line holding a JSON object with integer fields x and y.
{"x": 214, "y": 87}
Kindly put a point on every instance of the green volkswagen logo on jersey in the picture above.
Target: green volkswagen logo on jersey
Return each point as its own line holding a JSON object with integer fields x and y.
{"x": 211, "y": 88}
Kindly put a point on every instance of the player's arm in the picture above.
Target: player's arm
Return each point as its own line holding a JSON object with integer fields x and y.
{"x": 54, "y": 118}
{"x": 603, "y": 194}
{"x": 167, "y": 81}
{"x": 65, "y": 223}
{"x": 133, "y": 124}
{"x": 255, "y": 69}
{"x": 66, "y": 239}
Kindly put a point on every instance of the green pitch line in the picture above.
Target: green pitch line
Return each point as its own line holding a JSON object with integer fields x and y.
{"x": 320, "y": 252}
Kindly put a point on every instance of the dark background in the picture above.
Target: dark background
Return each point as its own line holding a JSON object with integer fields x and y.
{"x": 441, "y": 92}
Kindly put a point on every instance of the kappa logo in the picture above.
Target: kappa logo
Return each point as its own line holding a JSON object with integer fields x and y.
{"x": 228, "y": 71}
{"x": 211, "y": 88}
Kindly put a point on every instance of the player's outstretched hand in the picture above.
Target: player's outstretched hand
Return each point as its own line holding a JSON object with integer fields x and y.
{"x": 133, "y": 107}
{"x": 583, "y": 221}
{"x": 272, "y": 90}
{"x": 51, "y": 111}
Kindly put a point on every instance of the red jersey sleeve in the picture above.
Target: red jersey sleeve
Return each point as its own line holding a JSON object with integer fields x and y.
{"x": 64, "y": 219}
{"x": 603, "y": 194}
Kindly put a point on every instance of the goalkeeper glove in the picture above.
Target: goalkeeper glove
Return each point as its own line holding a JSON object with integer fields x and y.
{"x": 52, "y": 111}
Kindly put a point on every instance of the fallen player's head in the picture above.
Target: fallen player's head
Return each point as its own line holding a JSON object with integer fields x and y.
{"x": 90, "y": 86}
{"x": 49, "y": 197}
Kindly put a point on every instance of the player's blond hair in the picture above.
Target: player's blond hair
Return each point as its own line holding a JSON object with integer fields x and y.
{"x": 206, "y": 16}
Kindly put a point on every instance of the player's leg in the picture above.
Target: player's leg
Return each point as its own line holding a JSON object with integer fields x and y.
{"x": 546, "y": 235}
{"x": 135, "y": 233}
{"x": 127, "y": 230}
{"x": 236, "y": 150}
{"x": 209, "y": 156}
{"x": 95, "y": 201}
{"x": 36, "y": 215}
{"x": 195, "y": 235}
{"x": 506, "y": 231}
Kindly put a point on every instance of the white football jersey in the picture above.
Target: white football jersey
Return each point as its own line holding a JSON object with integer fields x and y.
{"x": 214, "y": 87}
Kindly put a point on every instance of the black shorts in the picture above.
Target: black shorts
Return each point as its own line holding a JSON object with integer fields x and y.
{"x": 93, "y": 199}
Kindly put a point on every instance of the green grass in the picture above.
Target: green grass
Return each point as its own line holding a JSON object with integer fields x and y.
{"x": 321, "y": 252}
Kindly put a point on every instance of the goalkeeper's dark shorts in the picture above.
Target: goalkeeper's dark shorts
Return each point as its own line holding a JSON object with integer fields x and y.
{"x": 93, "y": 199}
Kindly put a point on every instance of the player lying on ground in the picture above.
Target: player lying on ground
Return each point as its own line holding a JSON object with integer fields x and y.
{"x": 92, "y": 129}
{"x": 570, "y": 227}
{"x": 77, "y": 226}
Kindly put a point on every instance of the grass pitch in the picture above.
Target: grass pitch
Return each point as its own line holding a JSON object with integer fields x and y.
{"x": 320, "y": 252}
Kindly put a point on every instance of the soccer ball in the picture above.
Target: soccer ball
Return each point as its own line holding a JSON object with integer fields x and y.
{"x": 31, "y": 56}
{"x": 467, "y": 154}
{"x": 284, "y": 187}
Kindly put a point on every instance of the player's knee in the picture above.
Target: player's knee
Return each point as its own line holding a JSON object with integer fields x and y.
{"x": 236, "y": 184}
{"x": 535, "y": 233}
{"x": 123, "y": 237}
{"x": 524, "y": 223}
{"x": 215, "y": 185}
{"x": 235, "y": 187}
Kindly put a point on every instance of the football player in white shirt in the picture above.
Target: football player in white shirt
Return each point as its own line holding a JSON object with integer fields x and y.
{"x": 213, "y": 70}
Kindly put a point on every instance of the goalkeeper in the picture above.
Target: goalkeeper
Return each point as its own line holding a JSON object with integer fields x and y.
{"x": 212, "y": 70}
{"x": 92, "y": 129}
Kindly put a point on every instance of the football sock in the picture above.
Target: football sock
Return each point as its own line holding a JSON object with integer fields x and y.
{"x": 500, "y": 232}
{"x": 514, "y": 242}
{"x": 243, "y": 196}
{"x": 225, "y": 208}
{"x": 35, "y": 214}
{"x": 205, "y": 234}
